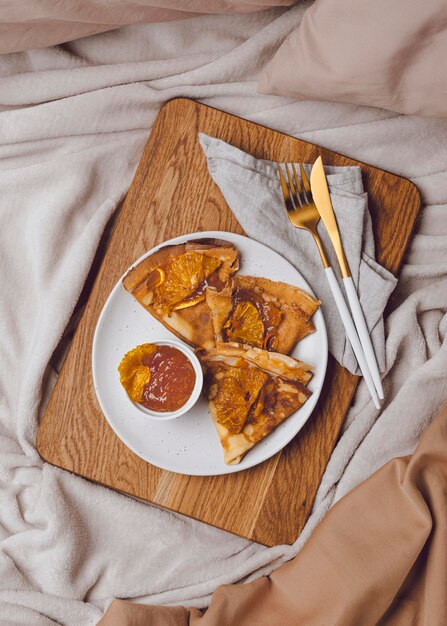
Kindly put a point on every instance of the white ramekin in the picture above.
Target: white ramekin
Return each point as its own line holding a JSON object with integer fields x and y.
{"x": 170, "y": 415}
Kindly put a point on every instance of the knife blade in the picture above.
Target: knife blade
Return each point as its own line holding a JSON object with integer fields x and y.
{"x": 322, "y": 199}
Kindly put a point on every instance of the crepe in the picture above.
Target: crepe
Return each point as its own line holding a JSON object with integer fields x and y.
{"x": 262, "y": 313}
{"x": 171, "y": 285}
{"x": 250, "y": 391}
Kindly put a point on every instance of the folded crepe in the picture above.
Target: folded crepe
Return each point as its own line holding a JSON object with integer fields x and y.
{"x": 171, "y": 285}
{"x": 250, "y": 391}
{"x": 260, "y": 312}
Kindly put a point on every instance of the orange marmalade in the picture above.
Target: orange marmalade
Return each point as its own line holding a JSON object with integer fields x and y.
{"x": 161, "y": 378}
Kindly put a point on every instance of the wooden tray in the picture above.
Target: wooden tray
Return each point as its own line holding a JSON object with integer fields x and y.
{"x": 173, "y": 194}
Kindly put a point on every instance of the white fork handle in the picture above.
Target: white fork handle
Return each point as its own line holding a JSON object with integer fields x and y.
{"x": 351, "y": 333}
{"x": 363, "y": 333}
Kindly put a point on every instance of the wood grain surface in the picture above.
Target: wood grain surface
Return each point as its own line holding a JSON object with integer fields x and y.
{"x": 172, "y": 194}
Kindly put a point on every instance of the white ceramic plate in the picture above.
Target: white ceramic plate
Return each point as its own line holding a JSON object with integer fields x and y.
{"x": 189, "y": 444}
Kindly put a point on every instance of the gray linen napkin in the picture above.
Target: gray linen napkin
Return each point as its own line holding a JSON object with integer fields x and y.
{"x": 252, "y": 190}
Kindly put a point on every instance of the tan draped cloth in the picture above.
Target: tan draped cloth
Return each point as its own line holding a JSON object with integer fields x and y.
{"x": 378, "y": 558}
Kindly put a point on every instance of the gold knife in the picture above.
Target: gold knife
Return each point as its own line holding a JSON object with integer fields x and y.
{"x": 322, "y": 199}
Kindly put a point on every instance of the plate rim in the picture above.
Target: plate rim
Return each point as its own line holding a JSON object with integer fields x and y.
{"x": 178, "y": 240}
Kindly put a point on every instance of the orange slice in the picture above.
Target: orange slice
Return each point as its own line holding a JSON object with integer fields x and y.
{"x": 251, "y": 379}
{"x": 133, "y": 374}
{"x": 185, "y": 304}
{"x": 245, "y": 325}
{"x": 156, "y": 278}
{"x": 258, "y": 406}
{"x": 184, "y": 275}
{"x": 231, "y": 406}
{"x": 235, "y": 395}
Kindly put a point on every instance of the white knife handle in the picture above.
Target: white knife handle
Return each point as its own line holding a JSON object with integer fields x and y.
{"x": 363, "y": 333}
{"x": 351, "y": 333}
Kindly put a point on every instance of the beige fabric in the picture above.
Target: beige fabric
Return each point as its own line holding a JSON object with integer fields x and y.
{"x": 122, "y": 613}
{"x": 377, "y": 53}
{"x": 41, "y": 23}
{"x": 379, "y": 557}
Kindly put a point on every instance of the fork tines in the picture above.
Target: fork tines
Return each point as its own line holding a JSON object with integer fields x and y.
{"x": 297, "y": 192}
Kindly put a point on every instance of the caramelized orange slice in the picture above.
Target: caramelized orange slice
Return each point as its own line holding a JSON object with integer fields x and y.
{"x": 231, "y": 406}
{"x": 245, "y": 325}
{"x": 156, "y": 278}
{"x": 251, "y": 379}
{"x": 235, "y": 395}
{"x": 184, "y": 275}
{"x": 133, "y": 374}
{"x": 185, "y": 304}
{"x": 257, "y": 407}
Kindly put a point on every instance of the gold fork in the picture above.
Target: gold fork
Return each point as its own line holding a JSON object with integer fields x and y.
{"x": 303, "y": 213}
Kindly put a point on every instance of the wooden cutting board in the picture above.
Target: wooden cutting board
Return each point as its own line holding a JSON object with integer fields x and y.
{"x": 173, "y": 194}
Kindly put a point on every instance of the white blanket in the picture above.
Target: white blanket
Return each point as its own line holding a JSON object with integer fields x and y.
{"x": 73, "y": 123}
